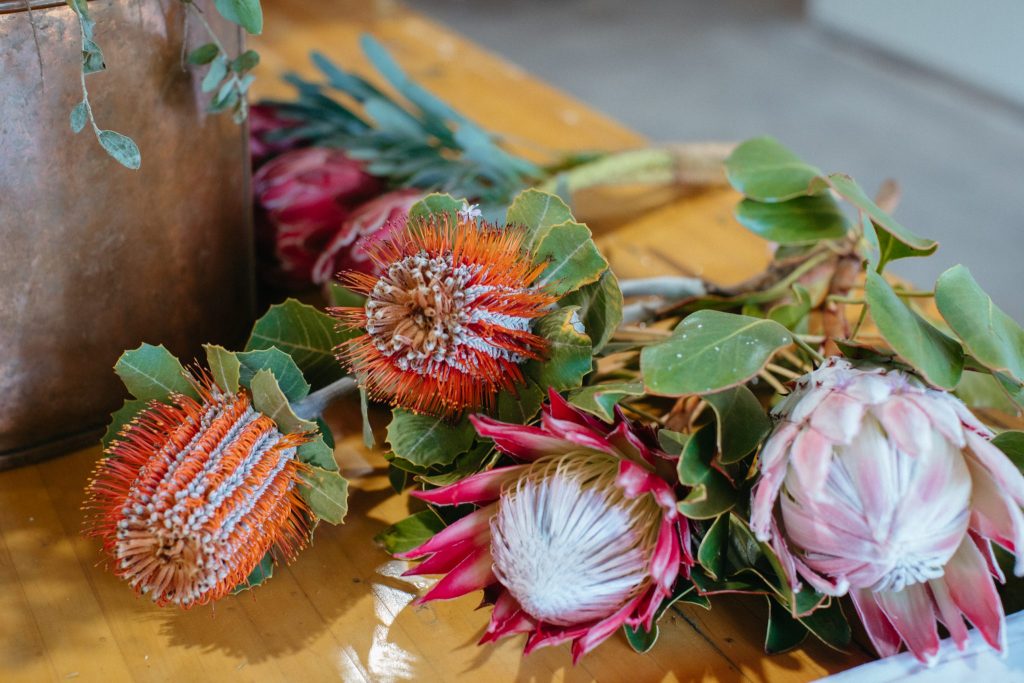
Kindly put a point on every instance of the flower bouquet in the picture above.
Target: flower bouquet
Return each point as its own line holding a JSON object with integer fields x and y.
{"x": 587, "y": 453}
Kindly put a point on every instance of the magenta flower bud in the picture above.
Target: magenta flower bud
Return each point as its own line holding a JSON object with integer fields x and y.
{"x": 874, "y": 484}
{"x": 580, "y": 538}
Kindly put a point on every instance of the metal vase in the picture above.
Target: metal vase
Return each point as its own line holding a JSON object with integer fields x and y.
{"x": 95, "y": 258}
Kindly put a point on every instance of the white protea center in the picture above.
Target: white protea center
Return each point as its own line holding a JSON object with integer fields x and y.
{"x": 422, "y": 312}
{"x": 568, "y": 544}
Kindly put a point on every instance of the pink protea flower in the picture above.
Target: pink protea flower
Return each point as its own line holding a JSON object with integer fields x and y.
{"x": 370, "y": 223}
{"x": 304, "y": 196}
{"x": 580, "y": 538}
{"x": 891, "y": 491}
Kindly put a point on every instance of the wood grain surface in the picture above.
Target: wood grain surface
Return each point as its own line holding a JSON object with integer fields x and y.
{"x": 342, "y": 612}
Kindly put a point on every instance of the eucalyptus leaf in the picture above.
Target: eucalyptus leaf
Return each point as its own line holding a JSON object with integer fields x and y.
{"x": 428, "y": 441}
{"x": 992, "y": 337}
{"x": 796, "y": 221}
{"x": 217, "y": 72}
{"x": 569, "y": 357}
{"x": 293, "y": 385}
{"x": 765, "y": 170}
{"x": 710, "y": 351}
{"x": 246, "y": 13}
{"x": 268, "y": 399}
{"x": 326, "y": 493}
{"x": 121, "y": 418}
{"x": 937, "y": 357}
{"x": 204, "y": 54}
{"x": 304, "y": 333}
{"x": 152, "y": 372}
{"x": 224, "y": 366}
{"x": 245, "y": 61}
{"x": 122, "y": 148}
{"x": 79, "y": 116}
{"x": 411, "y": 532}
{"x": 742, "y": 422}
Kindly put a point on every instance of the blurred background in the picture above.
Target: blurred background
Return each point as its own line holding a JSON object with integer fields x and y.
{"x": 928, "y": 92}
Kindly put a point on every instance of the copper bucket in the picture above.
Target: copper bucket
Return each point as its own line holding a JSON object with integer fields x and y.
{"x": 94, "y": 258}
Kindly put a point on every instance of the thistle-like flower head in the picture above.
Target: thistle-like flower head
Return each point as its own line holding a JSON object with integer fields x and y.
{"x": 892, "y": 491}
{"x": 580, "y": 538}
{"x": 194, "y": 494}
{"x": 447, "y": 323}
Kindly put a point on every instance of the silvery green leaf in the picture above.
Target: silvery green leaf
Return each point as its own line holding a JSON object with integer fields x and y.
{"x": 246, "y": 13}
{"x": 218, "y": 70}
{"x": 122, "y": 148}
{"x": 204, "y": 54}
{"x": 79, "y": 117}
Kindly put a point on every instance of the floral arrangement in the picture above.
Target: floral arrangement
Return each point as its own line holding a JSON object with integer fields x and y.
{"x": 227, "y": 78}
{"x": 588, "y": 453}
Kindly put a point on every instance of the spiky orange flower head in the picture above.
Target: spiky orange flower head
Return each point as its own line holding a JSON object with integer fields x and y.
{"x": 194, "y": 494}
{"x": 448, "y": 322}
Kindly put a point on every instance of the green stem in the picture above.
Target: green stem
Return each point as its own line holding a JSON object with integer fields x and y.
{"x": 808, "y": 349}
{"x": 243, "y": 102}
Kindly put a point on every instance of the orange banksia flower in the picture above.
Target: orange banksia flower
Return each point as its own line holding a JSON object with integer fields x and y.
{"x": 194, "y": 494}
{"x": 448, "y": 322}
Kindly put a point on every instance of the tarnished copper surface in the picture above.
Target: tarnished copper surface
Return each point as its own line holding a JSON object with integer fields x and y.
{"x": 94, "y": 258}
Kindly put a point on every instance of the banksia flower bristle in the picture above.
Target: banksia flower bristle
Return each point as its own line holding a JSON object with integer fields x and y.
{"x": 448, "y": 322}
{"x": 194, "y": 494}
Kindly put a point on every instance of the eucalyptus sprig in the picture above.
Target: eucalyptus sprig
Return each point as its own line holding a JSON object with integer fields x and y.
{"x": 228, "y": 77}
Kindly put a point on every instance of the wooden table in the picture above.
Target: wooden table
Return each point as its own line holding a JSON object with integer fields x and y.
{"x": 342, "y": 611}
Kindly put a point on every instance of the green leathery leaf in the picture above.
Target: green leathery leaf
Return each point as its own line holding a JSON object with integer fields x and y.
{"x": 980, "y": 390}
{"x": 326, "y": 493}
{"x": 411, "y": 532}
{"x": 428, "y": 441}
{"x": 742, "y": 422}
{"x": 828, "y": 624}
{"x": 122, "y": 148}
{"x": 569, "y": 354}
{"x": 263, "y": 571}
{"x": 537, "y": 212}
{"x": 796, "y": 221}
{"x": 600, "y": 399}
{"x": 304, "y": 333}
{"x": 293, "y": 385}
{"x": 120, "y": 418}
{"x": 522, "y": 406}
{"x": 791, "y": 314}
{"x": 711, "y": 494}
{"x": 364, "y": 413}
{"x": 642, "y": 640}
{"x": 784, "y": 632}
{"x": 246, "y": 13}
{"x": 712, "y": 550}
{"x": 152, "y": 372}
{"x": 224, "y": 366}
{"x": 1011, "y": 442}
{"x": 572, "y": 258}
{"x": 894, "y": 240}
{"x": 937, "y": 357}
{"x": 992, "y": 337}
{"x": 318, "y": 453}
{"x": 342, "y": 296}
{"x": 710, "y": 351}
{"x": 765, "y": 170}
{"x": 268, "y": 399}
{"x": 600, "y": 308}
{"x": 434, "y": 204}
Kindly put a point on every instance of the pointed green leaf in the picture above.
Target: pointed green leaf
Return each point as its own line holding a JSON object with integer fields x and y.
{"x": 304, "y": 333}
{"x": 711, "y": 493}
{"x": 712, "y": 550}
{"x": 268, "y": 398}
{"x": 600, "y": 308}
{"x": 263, "y": 571}
{"x": 152, "y": 372}
{"x": 600, "y": 399}
{"x": 989, "y": 334}
{"x": 765, "y": 170}
{"x": 326, "y": 493}
{"x": 224, "y": 366}
{"x": 428, "y": 441}
{"x": 411, "y": 532}
{"x": 122, "y": 148}
{"x": 784, "y": 632}
{"x": 520, "y": 407}
{"x": 709, "y": 351}
{"x": 937, "y": 357}
{"x": 742, "y": 422}
{"x": 286, "y": 372}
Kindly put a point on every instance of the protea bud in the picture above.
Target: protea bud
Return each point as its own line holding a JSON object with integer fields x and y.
{"x": 891, "y": 490}
{"x": 580, "y": 538}
{"x": 448, "y": 322}
{"x": 194, "y": 494}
